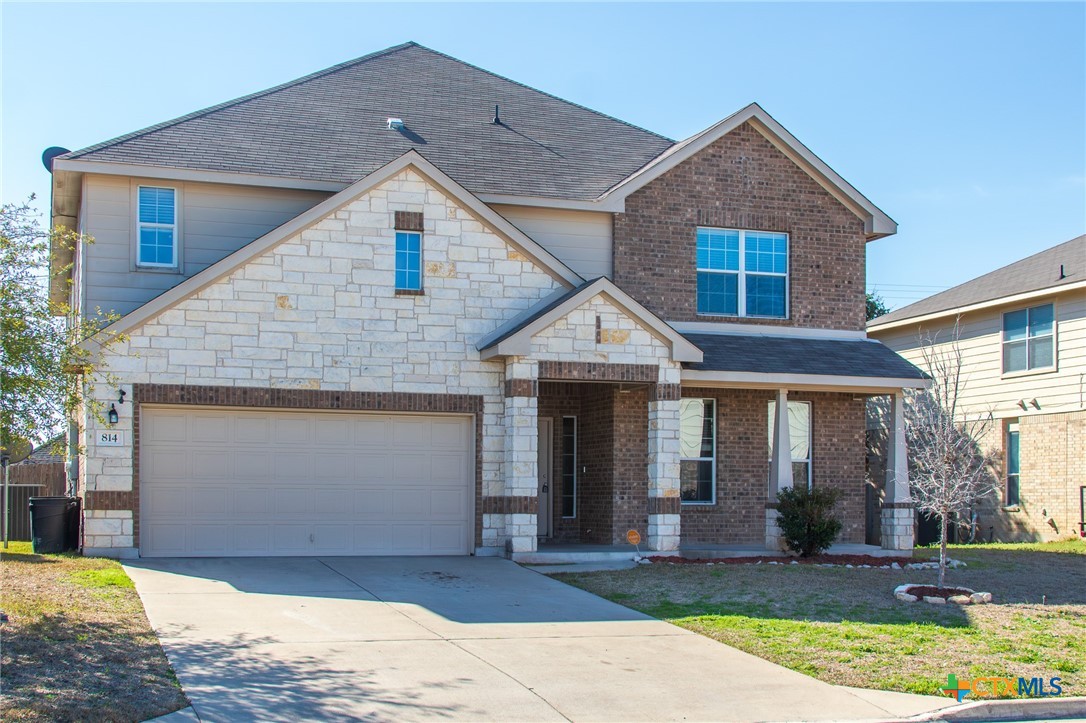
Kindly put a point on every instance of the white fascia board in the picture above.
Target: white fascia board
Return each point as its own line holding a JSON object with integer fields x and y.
{"x": 807, "y": 382}
{"x": 876, "y": 223}
{"x": 188, "y": 174}
{"x": 753, "y": 329}
{"x": 875, "y": 328}
{"x": 299, "y": 223}
{"x": 519, "y": 344}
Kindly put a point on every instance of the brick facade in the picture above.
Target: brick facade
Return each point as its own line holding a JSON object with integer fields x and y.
{"x": 738, "y": 516}
{"x": 742, "y": 181}
{"x": 1052, "y": 450}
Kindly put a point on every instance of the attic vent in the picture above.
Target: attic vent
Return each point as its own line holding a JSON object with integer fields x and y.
{"x": 395, "y": 124}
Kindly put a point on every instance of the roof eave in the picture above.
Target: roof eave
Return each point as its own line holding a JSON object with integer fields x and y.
{"x": 805, "y": 382}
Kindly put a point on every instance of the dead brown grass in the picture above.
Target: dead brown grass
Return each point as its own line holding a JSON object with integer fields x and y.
{"x": 76, "y": 644}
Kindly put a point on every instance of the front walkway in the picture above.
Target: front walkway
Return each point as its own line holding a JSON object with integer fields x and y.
{"x": 454, "y": 638}
{"x": 549, "y": 553}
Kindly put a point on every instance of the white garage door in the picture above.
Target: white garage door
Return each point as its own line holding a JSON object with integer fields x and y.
{"x": 236, "y": 483}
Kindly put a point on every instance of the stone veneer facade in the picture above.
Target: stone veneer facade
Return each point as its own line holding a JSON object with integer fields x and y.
{"x": 318, "y": 314}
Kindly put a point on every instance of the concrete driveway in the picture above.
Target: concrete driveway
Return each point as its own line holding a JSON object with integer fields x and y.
{"x": 452, "y": 638}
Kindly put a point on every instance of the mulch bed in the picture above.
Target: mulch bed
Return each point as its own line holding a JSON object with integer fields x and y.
{"x": 854, "y": 560}
{"x": 932, "y": 591}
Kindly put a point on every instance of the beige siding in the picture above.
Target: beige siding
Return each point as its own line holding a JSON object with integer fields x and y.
{"x": 214, "y": 221}
{"x": 580, "y": 239}
{"x": 986, "y": 387}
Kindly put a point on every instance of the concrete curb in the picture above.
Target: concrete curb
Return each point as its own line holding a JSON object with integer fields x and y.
{"x": 1033, "y": 709}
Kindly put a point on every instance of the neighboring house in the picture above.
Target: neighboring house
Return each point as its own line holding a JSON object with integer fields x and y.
{"x": 407, "y": 306}
{"x": 1022, "y": 335}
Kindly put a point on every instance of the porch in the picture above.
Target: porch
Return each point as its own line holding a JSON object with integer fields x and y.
{"x": 558, "y": 553}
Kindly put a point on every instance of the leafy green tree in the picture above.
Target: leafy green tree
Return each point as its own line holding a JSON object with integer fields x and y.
{"x": 42, "y": 354}
{"x": 876, "y": 305}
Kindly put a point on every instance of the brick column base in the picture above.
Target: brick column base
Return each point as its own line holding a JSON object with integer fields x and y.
{"x": 897, "y": 527}
{"x": 663, "y": 532}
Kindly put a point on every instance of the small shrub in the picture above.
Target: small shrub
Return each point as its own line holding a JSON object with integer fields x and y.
{"x": 806, "y": 520}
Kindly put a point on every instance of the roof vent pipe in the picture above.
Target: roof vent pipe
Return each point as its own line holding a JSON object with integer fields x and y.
{"x": 1062, "y": 275}
{"x": 497, "y": 118}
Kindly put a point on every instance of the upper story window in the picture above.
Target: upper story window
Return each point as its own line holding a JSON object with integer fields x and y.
{"x": 156, "y": 227}
{"x": 1029, "y": 340}
{"x": 408, "y": 261}
{"x": 697, "y": 445}
{"x": 742, "y": 273}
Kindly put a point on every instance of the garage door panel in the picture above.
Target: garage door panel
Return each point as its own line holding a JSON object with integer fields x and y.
{"x": 209, "y": 429}
{"x": 372, "y": 432}
{"x": 252, "y": 428}
{"x": 237, "y": 482}
{"x": 373, "y": 467}
{"x": 210, "y": 539}
{"x": 211, "y": 501}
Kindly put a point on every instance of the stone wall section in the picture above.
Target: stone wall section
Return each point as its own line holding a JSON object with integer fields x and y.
{"x": 319, "y": 311}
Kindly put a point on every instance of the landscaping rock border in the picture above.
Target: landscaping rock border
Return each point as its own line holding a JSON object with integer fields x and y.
{"x": 965, "y": 596}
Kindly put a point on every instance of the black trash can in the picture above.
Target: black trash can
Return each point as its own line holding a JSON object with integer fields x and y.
{"x": 54, "y": 524}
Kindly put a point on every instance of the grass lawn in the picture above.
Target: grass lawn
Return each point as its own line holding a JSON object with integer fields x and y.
{"x": 77, "y": 644}
{"x": 844, "y": 626}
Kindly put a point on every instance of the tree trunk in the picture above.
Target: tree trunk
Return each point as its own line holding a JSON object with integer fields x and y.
{"x": 942, "y": 549}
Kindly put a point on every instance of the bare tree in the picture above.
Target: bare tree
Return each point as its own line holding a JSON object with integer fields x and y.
{"x": 949, "y": 472}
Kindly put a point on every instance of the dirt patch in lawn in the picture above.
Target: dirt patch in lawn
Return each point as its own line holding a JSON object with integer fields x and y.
{"x": 844, "y": 626}
{"x": 77, "y": 644}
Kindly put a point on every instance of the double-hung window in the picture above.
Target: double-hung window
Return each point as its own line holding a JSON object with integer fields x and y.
{"x": 799, "y": 435}
{"x": 156, "y": 242}
{"x": 697, "y": 444}
{"x": 1029, "y": 341}
{"x": 742, "y": 273}
{"x": 408, "y": 261}
{"x": 1014, "y": 462}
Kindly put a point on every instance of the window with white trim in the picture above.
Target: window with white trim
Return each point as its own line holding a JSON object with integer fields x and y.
{"x": 697, "y": 445}
{"x": 799, "y": 435}
{"x": 1029, "y": 340}
{"x": 1014, "y": 465}
{"x": 742, "y": 273}
{"x": 408, "y": 261}
{"x": 156, "y": 227}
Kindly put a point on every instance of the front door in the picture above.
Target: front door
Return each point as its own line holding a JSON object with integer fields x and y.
{"x": 546, "y": 458}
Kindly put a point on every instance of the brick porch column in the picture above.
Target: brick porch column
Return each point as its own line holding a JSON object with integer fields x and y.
{"x": 780, "y": 469}
{"x": 663, "y": 446}
{"x": 897, "y": 505}
{"x": 521, "y": 454}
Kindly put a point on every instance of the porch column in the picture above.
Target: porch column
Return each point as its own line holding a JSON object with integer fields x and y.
{"x": 780, "y": 469}
{"x": 521, "y": 454}
{"x": 663, "y": 446}
{"x": 897, "y": 505}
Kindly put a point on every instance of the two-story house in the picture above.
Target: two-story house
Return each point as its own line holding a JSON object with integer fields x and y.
{"x": 407, "y": 306}
{"x": 1021, "y": 332}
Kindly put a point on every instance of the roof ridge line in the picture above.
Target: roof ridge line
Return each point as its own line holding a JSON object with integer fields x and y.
{"x": 239, "y": 100}
{"x": 549, "y": 95}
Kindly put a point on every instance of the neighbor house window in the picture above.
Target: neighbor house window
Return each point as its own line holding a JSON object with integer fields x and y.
{"x": 1014, "y": 462}
{"x": 408, "y": 261}
{"x": 156, "y": 233}
{"x": 1028, "y": 339}
{"x": 742, "y": 273}
{"x": 799, "y": 434}
{"x": 697, "y": 444}
{"x": 569, "y": 466}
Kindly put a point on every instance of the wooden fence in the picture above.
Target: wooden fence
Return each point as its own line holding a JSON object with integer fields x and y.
{"x": 32, "y": 480}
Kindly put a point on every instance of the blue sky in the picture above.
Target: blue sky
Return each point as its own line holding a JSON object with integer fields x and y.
{"x": 966, "y": 122}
